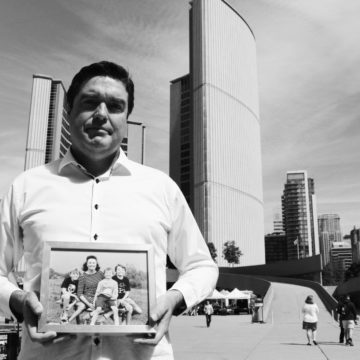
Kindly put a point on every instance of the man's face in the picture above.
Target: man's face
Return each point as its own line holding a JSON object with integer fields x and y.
{"x": 120, "y": 271}
{"x": 98, "y": 118}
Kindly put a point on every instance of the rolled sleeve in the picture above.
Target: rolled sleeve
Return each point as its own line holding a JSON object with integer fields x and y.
{"x": 11, "y": 248}
{"x": 189, "y": 253}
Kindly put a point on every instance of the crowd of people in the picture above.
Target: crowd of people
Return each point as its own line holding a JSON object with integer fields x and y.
{"x": 97, "y": 292}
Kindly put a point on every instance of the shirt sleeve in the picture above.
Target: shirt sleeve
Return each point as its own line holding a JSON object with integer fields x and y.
{"x": 11, "y": 247}
{"x": 188, "y": 251}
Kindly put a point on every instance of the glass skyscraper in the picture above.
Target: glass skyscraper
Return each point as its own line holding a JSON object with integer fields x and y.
{"x": 299, "y": 215}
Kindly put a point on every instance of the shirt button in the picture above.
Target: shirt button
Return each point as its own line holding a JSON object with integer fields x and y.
{"x": 96, "y": 341}
{"x": 96, "y": 206}
{"x": 95, "y": 236}
{"x": 97, "y": 181}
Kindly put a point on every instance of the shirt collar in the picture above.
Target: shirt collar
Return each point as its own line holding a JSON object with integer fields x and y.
{"x": 120, "y": 165}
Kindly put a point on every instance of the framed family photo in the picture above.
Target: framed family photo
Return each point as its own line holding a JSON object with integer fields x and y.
{"x": 102, "y": 288}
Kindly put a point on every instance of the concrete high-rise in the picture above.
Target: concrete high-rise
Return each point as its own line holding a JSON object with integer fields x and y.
{"x": 48, "y": 135}
{"x": 278, "y": 223}
{"x": 300, "y": 215}
{"x": 215, "y": 131}
{"x": 134, "y": 143}
{"x": 181, "y": 137}
{"x": 329, "y": 232}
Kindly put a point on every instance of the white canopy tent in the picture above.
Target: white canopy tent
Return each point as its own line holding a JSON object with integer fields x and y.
{"x": 216, "y": 295}
{"x": 236, "y": 294}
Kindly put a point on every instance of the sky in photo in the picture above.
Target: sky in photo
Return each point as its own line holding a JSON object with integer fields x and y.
{"x": 308, "y": 69}
{"x": 64, "y": 261}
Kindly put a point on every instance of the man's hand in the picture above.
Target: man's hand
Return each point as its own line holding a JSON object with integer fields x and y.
{"x": 28, "y": 305}
{"x": 161, "y": 315}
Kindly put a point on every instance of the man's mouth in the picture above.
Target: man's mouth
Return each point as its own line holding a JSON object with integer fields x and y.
{"x": 94, "y": 131}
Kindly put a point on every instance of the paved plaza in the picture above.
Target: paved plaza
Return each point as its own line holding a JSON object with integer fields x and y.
{"x": 235, "y": 337}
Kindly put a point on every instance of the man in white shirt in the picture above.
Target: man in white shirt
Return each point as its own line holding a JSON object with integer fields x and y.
{"x": 96, "y": 194}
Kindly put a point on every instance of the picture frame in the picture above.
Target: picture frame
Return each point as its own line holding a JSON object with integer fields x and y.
{"x": 62, "y": 259}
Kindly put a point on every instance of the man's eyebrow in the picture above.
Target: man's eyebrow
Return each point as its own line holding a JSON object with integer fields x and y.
{"x": 95, "y": 95}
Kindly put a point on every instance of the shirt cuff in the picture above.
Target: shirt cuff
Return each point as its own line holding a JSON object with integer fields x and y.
{"x": 192, "y": 296}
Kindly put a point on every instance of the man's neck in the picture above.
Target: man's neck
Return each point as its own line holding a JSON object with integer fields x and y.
{"x": 95, "y": 166}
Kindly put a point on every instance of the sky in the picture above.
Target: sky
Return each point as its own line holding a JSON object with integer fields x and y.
{"x": 308, "y": 68}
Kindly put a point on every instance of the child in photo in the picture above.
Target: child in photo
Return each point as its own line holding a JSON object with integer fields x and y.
{"x": 68, "y": 293}
{"x": 124, "y": 292}
{"x": 105, "y": 297}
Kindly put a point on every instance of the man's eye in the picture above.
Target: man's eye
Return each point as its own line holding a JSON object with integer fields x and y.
{"x": 116, "y": 107}
{"x": 90, "y": 104}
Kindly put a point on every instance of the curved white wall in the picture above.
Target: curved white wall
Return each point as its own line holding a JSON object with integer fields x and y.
{"x": 227, "y": 149}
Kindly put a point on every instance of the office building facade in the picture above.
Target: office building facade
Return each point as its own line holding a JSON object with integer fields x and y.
{"x": 329, "y": 232}
{"x": 300, "y": 215}
{"x": 355, "y": 244}
{"x": 223, "y": 147}
{"x": 341, "y": 256}
{"x": 48, "y": 135}
{"x": 275, "y": 247}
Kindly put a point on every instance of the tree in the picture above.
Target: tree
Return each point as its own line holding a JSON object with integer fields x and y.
{"x": 213, "y": 251}
{"x": 353, "y": 271}
{"x": 231, "y": 252}
{"x": 332, "y": 274}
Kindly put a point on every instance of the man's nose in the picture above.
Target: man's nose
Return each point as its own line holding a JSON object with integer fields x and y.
{"x": 101, "y": 112}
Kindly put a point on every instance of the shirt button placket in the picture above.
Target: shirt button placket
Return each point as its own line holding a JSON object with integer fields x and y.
{"x": 95, "y": 209}
{"x": 96, "y": 350}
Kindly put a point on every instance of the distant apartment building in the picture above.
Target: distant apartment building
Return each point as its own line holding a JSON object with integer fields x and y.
{"x": 355, "y": 245}
{"x": 329, "y": 232}
{"x": 275, "y": 247}
{"x": 48, "y": 135}
{"x": 300, "y": 216}
{"x": 215, "y": 152}
{"x": 278, "y": 223}
{"x": 341, "y": 256}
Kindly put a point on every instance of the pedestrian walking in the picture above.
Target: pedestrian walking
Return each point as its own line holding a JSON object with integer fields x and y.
{"x": 208, "y": 309}
{"x": 310, "y": 318}
{"x": 339, "y": 310}
{"x": 349, "y": 317}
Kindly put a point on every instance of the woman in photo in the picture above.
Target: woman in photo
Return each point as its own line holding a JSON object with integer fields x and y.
{"x": 310, "y": 318}
{"x": 87, "y": 286}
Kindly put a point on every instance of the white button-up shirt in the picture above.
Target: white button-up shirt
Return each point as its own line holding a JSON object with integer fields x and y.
{"x": 130, "y": 203}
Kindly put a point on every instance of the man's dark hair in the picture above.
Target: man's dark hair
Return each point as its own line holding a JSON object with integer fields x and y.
{"x": 85, "y": 267}
{"x": 102, "y": 68}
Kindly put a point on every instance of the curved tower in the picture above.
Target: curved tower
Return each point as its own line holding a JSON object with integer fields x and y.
{"x": 228, "y": 199}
